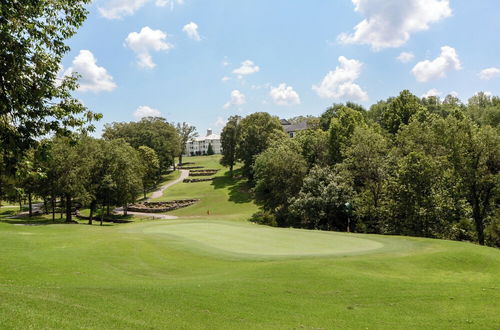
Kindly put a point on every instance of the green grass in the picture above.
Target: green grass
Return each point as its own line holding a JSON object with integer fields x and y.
{"x": 220, "y": 272}
{"x": 165, "y": 178}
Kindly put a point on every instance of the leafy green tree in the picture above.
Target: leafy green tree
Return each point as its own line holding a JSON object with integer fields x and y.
{"x": 229, "y": 140}
{"x": 341, "y": 128}
{"x": 279, "y": 171}
{"x": 33, "y": 101}
{"x": 210, "y": 149}
{"x": 484, "y": 109}
{"x": 314, "y": 146}
{"x": 367, "y": 164}
{"x": 475, "y": 157}
{"x": 155, "y": 133}
{"x": 151, "y": 165}
{"x": 321, "y": 202}
{"x": 400, "y": 110}
{"x": 256, "y": 133}
{"x": 332, "y": 112}
{"x": 186, "y": 133}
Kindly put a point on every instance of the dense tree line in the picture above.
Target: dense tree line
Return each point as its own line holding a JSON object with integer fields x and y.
{"x": 422, "y": 167}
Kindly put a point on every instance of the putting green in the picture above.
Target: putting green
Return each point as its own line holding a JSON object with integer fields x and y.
{"x": 261, "y": 241}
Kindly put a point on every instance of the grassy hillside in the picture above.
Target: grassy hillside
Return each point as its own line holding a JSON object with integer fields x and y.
{"x": 221, "y": 272}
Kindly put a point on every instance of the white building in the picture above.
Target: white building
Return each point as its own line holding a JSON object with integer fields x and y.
{"x": 199, "y": 146}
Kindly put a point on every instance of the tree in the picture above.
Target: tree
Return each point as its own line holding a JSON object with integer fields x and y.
{"x": 186, "y": 133}
{"x": 151, "y": 165}
{"x": 279, "y": 172}
{"x": 400, "y": 110}
{"x": 341, "y": 128}
{"x": 475, "y": 157}
{"x": 314, "y": 146}
{"x": 366, "y": 163}
{"x": 229, "y": 140}
{"x": 152, "y": 132}
{"x": 321, "y": 202}
{"x": 210, "y": 149}
{"x": 332, "y": 112}
{"x": 33, "y": 101}
{"x": 257, "y": 132}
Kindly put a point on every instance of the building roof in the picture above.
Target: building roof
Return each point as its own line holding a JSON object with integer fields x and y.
{"x": 208, "y": 137}
{"x": 294, "y": 127}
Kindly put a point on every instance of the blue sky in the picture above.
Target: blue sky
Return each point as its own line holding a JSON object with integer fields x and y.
{"x": 202, "y": 61}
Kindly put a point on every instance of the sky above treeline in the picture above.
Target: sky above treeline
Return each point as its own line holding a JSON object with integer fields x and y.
{"x": 202, "y": 61}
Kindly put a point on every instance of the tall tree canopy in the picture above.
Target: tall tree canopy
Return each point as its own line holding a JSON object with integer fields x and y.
{"x": 153, "y": 132}
{"x": 229, "y": 140}
{"x": 186, "y": 133}
{"x": 33, "y": 100}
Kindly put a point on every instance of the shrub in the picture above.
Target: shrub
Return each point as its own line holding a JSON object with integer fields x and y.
{"x": 264, "y": 218}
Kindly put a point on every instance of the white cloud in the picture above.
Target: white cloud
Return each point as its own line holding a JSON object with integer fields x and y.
{"x": 220, "y": 122}
{"x": 489, "y": 73}
{"x": 145, "y": 111}
{"x": 405, "y": 57}
{"x": 191, "y": 30}
{"x": 117, "y": 9}
{"x": 339, "y": 84}
{"x": 94, "y": 78}
{"x": 454, "y": 94}
{"x": 144, "y": 42}
{"x": 447, "y": 61}
{"x": 237, "y": 98}
{"x": 247, "y": 67}
{"x": 284, "y": 95}
{"x": 390, "y": 23}
{"x": 225, "y": 78}
{"x": 432, "y": 92}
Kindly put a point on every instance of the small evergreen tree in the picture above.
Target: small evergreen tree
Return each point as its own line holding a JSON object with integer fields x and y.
{"x": 210, "y": 150}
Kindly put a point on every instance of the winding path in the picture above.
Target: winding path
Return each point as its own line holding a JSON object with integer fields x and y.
{"x": 157, "y": 194}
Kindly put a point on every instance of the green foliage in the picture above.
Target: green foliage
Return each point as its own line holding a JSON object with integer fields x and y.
{"x": 186, "y": 133}
{"x": 210, "y": 150}
{"x": 279, "y": 172}
{"x": 34, "y": 102}
{"x": 264, "y": 218}
{"x": 155, "y": 133}
{"x": 256, "y": 133}
{"x": 314, "y": 146}
{"x": 333, "y": 112}
{"x": 321, "y": 202}
{"x": 400, "y": 110}
{"x": 484, "y": 109}
{"x": 229, "y": 140}
{"x": 341, "y": 128}
{"x": 151, "y": 164}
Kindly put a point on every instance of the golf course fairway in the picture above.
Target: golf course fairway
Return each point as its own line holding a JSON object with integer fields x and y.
{"x": 246, "y": 240}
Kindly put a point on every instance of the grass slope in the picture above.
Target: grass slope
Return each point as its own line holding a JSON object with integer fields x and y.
{"x": 202, "y": 272}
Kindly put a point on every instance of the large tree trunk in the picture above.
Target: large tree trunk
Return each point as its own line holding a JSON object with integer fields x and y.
{"x": 30, "y": 205}
{"x": 45, "y": 206}
{"x": 180, "y": 159}
{"x": 68, "y": 208}
{"x": 478, "y": 220}
{"x": 61, "y": 208}
{"x": 231, "y": 170}
{"x": 92, "y": 207}
{"x": 125, "y": 209}
{"x": 107, "y": 208}
{"x": 53, "y": 201}
{"x": 102, "y": 213}
{"x": 20, "y": 203}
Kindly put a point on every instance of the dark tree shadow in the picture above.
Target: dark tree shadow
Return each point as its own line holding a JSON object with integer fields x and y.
{"x": 239, "y": 190}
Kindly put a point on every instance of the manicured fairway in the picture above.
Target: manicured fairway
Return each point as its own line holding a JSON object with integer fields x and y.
{"x": 219, "y": 271}
{"x": 245, "y": 240}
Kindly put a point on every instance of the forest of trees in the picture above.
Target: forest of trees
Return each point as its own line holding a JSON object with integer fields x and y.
{"x": 410, "y": 166}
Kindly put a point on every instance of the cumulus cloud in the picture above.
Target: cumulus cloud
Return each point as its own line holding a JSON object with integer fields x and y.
{"x": 237, "y": 98}
{"x": 145, "y": 111}
{"x": 432, "y": 92}
{"x": 191, "y": 30}
{"x": 489, "y": 73}
{"x": 339, "y": 84}
{"x": 117, "y": 9}
{"x": 247, "y": 67}
{"x": 144, "y": 42}
{"x": 428, "y": 70}
{"x": 284, "y": 95}
{"x": 220, "y": 122}
{"x": 225, "y": 78}
{"x": 94, "y": 78}
{"x": 391, "y": 23}
{"x": 405, "y": 57}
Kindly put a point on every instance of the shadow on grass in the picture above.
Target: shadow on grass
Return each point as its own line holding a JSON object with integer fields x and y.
{"x": 239, "y": 190}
